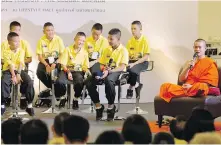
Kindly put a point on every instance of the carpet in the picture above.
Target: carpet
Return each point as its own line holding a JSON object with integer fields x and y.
{"x": 165, "y": 128}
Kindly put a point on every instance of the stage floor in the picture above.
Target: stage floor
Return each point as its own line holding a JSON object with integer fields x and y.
{"x": 95, "y": 127}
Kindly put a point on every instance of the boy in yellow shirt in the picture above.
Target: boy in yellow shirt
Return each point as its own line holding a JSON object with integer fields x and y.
{"x": 95, "y": 44}
{"x": 138, "y": 57}
{"x": 75, "y": 64}
{"x": 49, "y": 48}
{"x": 57, "y": 128}
{"x": 16, "y": 27}
{"x": 12, "y": 72}
{"x": 113, "y": 61}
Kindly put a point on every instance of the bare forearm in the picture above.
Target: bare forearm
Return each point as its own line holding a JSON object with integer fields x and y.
{"x": 28, "y": 60}
{"x": 184, "y": 74}
{"x": 144, "y": 58}
{"x": 42, "y": 60}
{"x": 119, "y": 69}
{"x": 12, "y": 70}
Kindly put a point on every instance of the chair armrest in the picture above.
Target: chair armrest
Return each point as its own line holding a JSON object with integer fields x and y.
{"x": 150, "y": 66}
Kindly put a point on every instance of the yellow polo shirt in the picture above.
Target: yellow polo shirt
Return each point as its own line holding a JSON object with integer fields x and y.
{"x": 95, "y": 46}
{"x": 70, "y": 58}
{"x": 57, "y": 140}
{"x": 138, "y": 47}
{"x": 119, "y": 56}
{"x": 23, "y": 45}
{"x": 15, "y": 58}
{"x": 47, "y": 48}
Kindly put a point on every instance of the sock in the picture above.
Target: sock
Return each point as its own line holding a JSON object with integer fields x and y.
{"x": 110, "y": 107}
{"x": 30, "y": 105}
{"x": 2, "y": 106}
{"x": 137, "y": 85}
{"x": 62, "y": 97}
{"x": 75, "y": 99}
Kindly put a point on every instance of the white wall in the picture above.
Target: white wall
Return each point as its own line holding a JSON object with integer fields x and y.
{"x": 170, "y": 26}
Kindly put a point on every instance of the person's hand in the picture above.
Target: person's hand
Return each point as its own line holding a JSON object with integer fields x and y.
{"x": 190, "y": 63}
{"x": 105, "y": 73}
{"x": 53, "y": 66}
{"x": 70, "y": 76}
{"x": 19, "y": 79}
{"x": 186, "y": 86}
{"x": 131, "y": 65}
{"x": 14, "y": 80}
{"x": 48, "y": 69}
{"x": 87, "y": 73}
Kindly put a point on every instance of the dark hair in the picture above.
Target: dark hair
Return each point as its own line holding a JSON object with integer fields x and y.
{"x": 80, "y": 34}
{"x": 76, "y": 128}
{"x": 110, "y": 137}
{"x": 11, "y": 35}
{"x": 163, "y": 138}
{"x": 175, "y": 129}
{"x": 11, "y": 131}
{"x": 137, "y": 23}
{"x": 115, "y": 31}
{"x": 200, "y": 121}
{"x": 98, "y": 26}
{"x": 48, "y": 24}
{"x": 136, "y": 129}
{"x": 34, "y": 132}
{"x": 200, "y": 40}
{"x": 58, "y": 122}
{"x": 13, "y": 24}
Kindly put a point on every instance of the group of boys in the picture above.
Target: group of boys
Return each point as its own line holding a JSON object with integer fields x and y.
{"x": 96, "y": 57}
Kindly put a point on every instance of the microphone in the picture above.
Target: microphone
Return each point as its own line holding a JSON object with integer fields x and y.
{"x": 110, "y": 62}
{"x": 194, "y": 58}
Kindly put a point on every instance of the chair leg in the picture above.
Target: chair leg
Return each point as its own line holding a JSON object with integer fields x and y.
{"x": 116, "y": 117}
{"x": 160, "y": 120}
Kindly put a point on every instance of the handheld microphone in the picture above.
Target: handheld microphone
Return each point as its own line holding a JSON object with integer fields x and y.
{"x": 194, "y": 57}
{"x": 110, "y": 62}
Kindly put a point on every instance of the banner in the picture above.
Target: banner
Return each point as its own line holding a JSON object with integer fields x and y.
{"x": 170, "y": 26}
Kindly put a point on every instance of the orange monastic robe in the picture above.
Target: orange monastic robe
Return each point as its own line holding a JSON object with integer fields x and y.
{"x": 203, "y": 73}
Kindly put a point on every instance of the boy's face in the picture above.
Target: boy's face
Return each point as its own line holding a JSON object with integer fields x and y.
{"x": 16, "y": 29}
{"x": 49, "y": 32}
{"x": 113, "y": 40}
{"x": 14, "y": 43}
{"x": 79, "y": 41}
{"x": 135, "y": 29}
{"x": 96, "y": 34}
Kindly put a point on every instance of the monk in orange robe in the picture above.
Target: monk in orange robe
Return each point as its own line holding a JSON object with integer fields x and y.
{"x": 197, "y": 76}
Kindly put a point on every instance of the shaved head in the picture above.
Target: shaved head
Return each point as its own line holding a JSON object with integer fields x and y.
{"x": 200, "y": 40}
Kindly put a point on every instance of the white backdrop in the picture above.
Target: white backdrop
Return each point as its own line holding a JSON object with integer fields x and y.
{"x": 171, "y": 28}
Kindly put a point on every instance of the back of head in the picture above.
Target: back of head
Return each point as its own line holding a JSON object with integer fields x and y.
{"x": 206, "y": 138}
{"x": 76, "y": 129}
{"x": 14, "y": 24}
{"x": 11, "y": 131}
{"x": 136, "y": 130}
{"x": 97, "y": 26}
{"x": 163, "y": 138}
{"x": 177, "y": 126}
{"x": 200, "y": 121}
{"x": 34, "y": 132}
{"x": 116, "y": 32}
{"x": 110, "y": 137}
{"x": 59, "y": 122}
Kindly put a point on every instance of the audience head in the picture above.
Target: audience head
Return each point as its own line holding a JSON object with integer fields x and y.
{"x": 15, "y": 27}
{"x": 57, "y": 127}
{"x": 96, "y": 31}
{"x": 13, "y": 40}
{"x": 79, "y": 39}
{"x": 76, "y": 129}
{"x": 11, "y": 131}
{"x": 177, "y": 126}
{"x": 200, "y": 47}
{"x": 114, "y": 37}
{"x": 109, "y": 137}
{"x": 34, "y": 132}
{"x": 200, "y": 121}
{"x": 136, "y": 28}
{"x": 206, "y": 138}
{"x": 163, "y": 138}
{"x": 136, "y": 130}
{"x": 48, "y": 30}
